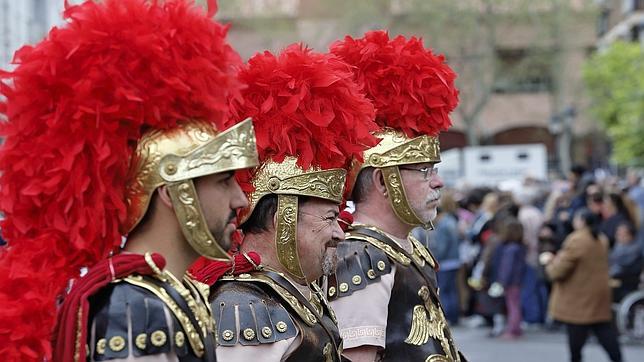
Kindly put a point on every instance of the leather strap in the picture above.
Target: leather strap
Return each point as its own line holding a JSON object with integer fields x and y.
{"x": 208, "y": 341}
{"x": 386, "y": 239}
{"x": 286, "y": 284}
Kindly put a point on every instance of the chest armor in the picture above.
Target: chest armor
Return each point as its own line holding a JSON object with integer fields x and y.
{"x": 416, "y": 325}
{"x": 271, "y": 309}
{"x": 134, "y": 308}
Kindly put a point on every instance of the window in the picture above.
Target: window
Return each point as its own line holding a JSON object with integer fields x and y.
{"x": 523, "y": 70}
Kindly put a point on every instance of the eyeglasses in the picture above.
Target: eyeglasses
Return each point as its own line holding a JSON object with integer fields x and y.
{"x": 426, "y": 171}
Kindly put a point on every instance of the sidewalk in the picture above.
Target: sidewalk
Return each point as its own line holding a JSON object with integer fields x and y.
{"x": 534, "y": 346}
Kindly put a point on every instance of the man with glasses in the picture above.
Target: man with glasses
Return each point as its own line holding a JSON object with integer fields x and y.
{"x": 384, "y": 291}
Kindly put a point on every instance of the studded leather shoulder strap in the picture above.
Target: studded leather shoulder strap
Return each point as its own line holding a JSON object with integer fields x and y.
{"x": 121, "y": 306}
{"x": 362, "y": 260}
{"x": 260, "y": 317}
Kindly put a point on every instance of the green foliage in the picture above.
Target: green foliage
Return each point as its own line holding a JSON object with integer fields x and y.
{"x": 615, "y": 81}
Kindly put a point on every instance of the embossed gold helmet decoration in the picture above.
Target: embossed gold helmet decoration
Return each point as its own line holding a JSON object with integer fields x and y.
{"x": 312, "y": 121}
{"x": 413, "y": 91}
{"x": 177, "y": 156}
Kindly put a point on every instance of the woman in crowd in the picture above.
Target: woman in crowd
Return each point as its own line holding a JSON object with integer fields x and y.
{"x": 581, "y": 295}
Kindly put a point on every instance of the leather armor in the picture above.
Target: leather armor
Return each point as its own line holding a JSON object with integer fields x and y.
{"x": 271, "y": 309}
{"x": 138, "y": 303}
{"x": 416, "y": 326}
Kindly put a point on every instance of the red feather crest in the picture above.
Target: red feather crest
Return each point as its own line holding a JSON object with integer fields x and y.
{"x": 305, "y": 104}
{"x": 412, "y": 89}
{"x": 75, "y": 107}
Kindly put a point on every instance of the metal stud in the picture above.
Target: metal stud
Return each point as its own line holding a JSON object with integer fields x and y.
{"x": 100, "y": 346}
{"x": 331, "y": 291}
{"x": 227, "y": 335}
{"x": 344, "y": 287}
{"x": 117, "y": 343}
{"x": 371, "y": 274}
{"x": 381, "y": 265}
{"x": 158, "y": 338}
{"x": 281, "y": 327}
{"x": 179, "y": 339}
{"x": 249, "y": 334}
{"x": 356, "y": 280}
{"x": 267, "y": 332}
{"x": 140, "y": 341}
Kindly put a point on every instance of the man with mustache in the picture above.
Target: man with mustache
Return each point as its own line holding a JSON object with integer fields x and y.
{"x": 118, "y": 160}
{"x": 311, "y": 122}
{"x": 384, "y": 291}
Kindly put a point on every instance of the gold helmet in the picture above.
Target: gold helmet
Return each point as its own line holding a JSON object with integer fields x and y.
{"x": 312, "y": 122}
{"x": 176, "y": 157}
{"x": 413, "y": 91}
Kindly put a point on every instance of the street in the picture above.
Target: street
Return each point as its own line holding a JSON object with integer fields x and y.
{"x": 534, "y": 346}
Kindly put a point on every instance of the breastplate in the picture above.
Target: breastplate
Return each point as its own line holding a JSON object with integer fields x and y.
{"x": 416, "y": 326}
{"x": 134, "y": 308}
{"x": 318, "y": 338}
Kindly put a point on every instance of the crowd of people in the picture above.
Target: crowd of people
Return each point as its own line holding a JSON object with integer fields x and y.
{"x": 512, "y": 256}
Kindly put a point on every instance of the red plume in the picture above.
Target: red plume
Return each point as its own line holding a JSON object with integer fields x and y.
{"x": 412, "y": 89}
{"x": 307, "y": 105}
{"x": 75, "y": 107}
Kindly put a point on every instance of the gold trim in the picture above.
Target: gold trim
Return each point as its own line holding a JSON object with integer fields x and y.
{"x": 193, "y": 224}
{"x": 307, "y": 315}
{"x": 395, "y": 149}
{"x": 286, "y": 236}
{"x": 281, "y": 327}
{"x": 148, "y": 260}
{"x": 230, "y": 150}
{"x": 323, "y": 301}
{"x": 158, "y": 338}
{"x": 288, "y": 178}
{"x": 327, "y": 352}
{"x": 397, "y": 256}
{"x": 77, "y": 344}
{"x": 421, "y": 254}
{"x": 141, "y": 341}
{"x": 398, "y": 198}
{"x": 438, "y": 358}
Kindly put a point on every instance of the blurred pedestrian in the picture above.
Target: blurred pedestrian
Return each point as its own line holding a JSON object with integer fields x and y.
{"x": 626, "y": 261}
{"x": 581, "y": 295}
{"x": 510, "y": 274}
{"x": 614, "y": 212}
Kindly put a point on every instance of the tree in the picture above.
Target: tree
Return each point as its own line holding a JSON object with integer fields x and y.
{"x": 615, "y": 82}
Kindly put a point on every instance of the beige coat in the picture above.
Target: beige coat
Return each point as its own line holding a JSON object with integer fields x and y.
{"x": 581, "y": 293}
